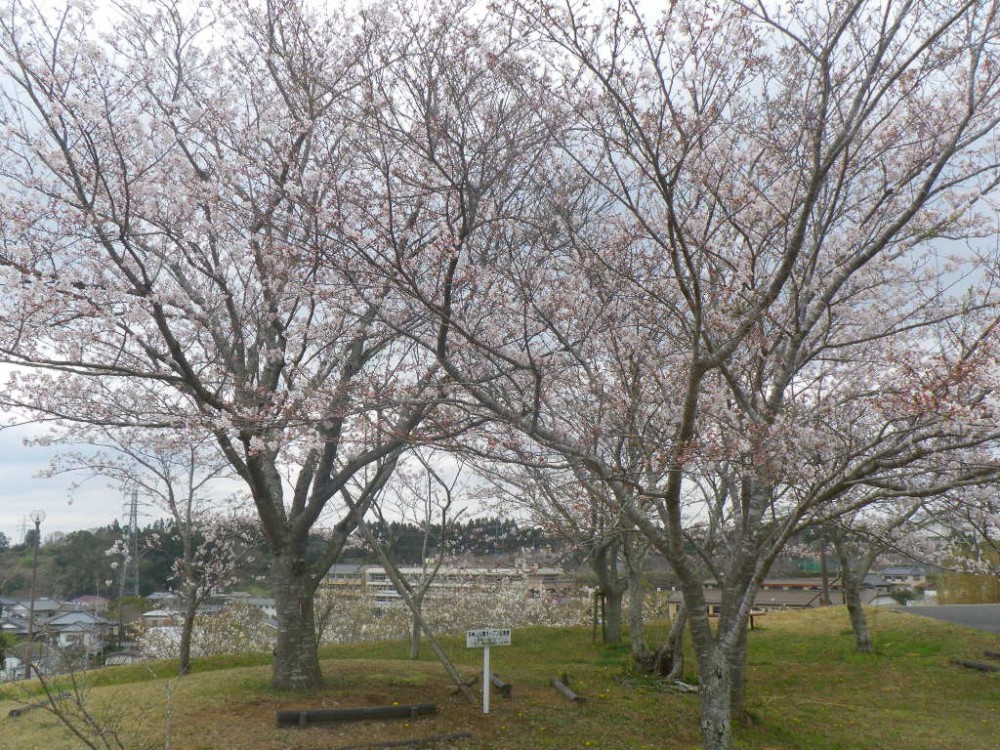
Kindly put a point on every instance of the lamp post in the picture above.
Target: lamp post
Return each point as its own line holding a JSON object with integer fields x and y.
{"x": 37, "y": 516}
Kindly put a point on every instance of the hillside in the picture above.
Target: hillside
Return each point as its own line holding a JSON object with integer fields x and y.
{"x": 807, "y": 689}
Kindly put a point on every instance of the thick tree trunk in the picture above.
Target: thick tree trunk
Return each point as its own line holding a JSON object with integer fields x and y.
{"x": 859, "y": 623}
{"x": 612, "y": 615}
{"x": 296, "y": 658}
{"x": 738, "y": 675}
{"x": 715, "y": 691}
{"x": 714, "y": 671}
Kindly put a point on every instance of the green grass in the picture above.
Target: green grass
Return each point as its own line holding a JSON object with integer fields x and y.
{"x": 807, "y": 689}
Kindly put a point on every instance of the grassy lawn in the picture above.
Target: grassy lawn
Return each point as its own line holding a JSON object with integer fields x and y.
{"x": 807, "y": 689}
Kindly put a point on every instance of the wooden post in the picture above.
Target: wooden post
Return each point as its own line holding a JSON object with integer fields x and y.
{"x": 563, "y": 688}
{"x": 505, "y": 688}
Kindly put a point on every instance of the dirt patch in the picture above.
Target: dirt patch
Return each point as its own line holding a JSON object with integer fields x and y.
{"x": 252, "y": 725}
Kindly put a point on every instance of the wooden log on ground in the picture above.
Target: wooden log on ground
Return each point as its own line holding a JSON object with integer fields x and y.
{"x": 329, "y": 715}
{"x": 414, "y": 742}
{"x": 40, "y": 704}
{"x": 991, "y": 654}
{"x": 563, "y": 688}
{"x": 978, "y": 665}
{"x": 505, "y": 688}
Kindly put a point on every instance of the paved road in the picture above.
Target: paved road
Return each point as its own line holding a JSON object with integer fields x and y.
{"x": 980, "y": 616}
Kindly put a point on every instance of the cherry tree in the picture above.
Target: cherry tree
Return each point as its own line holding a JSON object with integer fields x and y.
{"x": 859, "y": 539}
{"x": 194, "y": 198}
{"x": 184, "y": 475}
{"x": 739, "y": 261}
{"x": 573, "y": 508}
{"x": 423, "y": 493}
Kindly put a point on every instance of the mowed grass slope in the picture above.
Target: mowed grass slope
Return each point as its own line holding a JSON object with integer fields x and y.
{"x": 807, "y": 689}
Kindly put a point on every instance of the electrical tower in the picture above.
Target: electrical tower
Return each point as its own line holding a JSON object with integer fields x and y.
{"x": 130, "y": 568}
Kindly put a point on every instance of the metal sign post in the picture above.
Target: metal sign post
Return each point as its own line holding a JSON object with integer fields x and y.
{"x": 486, "y": 679}
{"x": 484, "y": 638}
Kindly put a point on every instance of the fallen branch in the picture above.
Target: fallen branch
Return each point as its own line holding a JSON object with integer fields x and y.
{"x": 678, "y": 686}
{"x": 40, "y": 704}
{"x": 661, "y": 685}
{"x": 415, "y": 742}
{"x": 328, "y": 715}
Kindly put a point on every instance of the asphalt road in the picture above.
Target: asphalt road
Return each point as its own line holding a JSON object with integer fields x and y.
{"x": 979, "y": 616}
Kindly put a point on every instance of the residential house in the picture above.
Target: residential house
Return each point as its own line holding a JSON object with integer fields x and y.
{"x": 119, "y": 658}
{"x": 902, "y": 577}
{"x": 165, "y": 600}
{"x": 90, "y": 603}
{"x": 160, "y": 618}
{"x": 79, "y": 632}
{"x": 6, "y": 605}
{"x": 14, "y": 626}
{"x": 44, "y": 608}
{"x": 266, "y": 605}
{"x": 39, "y": 657}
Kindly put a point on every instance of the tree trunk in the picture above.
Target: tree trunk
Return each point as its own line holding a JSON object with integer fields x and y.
{"x": 859, "y": 623}
{"x": 416, "y": 619}
{"x": 296, "y": 658}
{"x": 605, "y": 565}
{"x": 716, "y": 696}
{"x": 669, "y": 660}
{"x": 643, "y": 656}
{"x": 824, "y": 599}
{"x": 853, "y": 577}
{"x": 738, "y": 675}
{"x": 612, "y": 615}
{"x": 187, "y": 630}
{"x": 419, "y": 624}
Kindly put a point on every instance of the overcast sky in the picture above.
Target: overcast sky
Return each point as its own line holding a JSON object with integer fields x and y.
{"x": 22, "y": 491}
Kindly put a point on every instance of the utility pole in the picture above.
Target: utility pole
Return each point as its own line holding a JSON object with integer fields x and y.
{"x": 37, "y": 516}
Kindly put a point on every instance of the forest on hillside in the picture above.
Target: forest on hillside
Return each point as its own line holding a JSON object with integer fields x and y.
{"x": 87, "y": 562}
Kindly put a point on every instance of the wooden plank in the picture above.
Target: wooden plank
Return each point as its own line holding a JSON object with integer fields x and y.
{"x": 978, "y": 665}
{"x": 329, "y": 715}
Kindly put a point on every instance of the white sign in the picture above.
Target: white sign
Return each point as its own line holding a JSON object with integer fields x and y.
{"x": 486, "y": 637}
